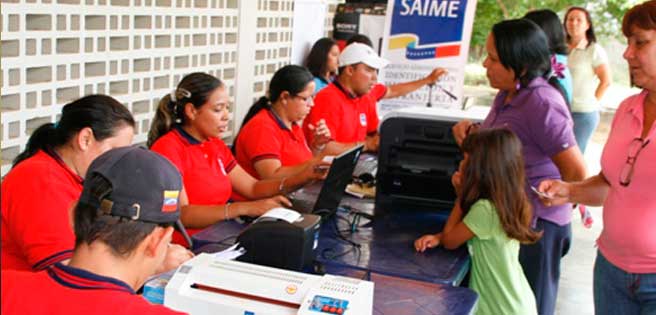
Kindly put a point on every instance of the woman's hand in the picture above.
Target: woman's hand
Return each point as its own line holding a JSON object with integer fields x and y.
{"x": 461, "y": 129}
{"x": 259, "y": 207}
{"x": 427, "y": 241}
{"x": 321, "y": 135}
{"x": 556, "y": 192}
{"x": 176, "y": 255}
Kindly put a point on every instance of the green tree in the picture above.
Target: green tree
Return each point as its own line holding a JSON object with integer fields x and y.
{"x": 606, "y": 15}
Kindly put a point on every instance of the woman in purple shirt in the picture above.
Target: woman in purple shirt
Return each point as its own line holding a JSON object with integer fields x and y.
{"x": 518, "y": 64}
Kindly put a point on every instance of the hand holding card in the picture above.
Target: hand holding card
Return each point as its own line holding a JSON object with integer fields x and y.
{"x": 540, "y": 193}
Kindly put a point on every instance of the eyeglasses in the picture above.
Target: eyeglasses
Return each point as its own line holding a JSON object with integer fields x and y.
{"x": 306, "y": 99}
{"x": 634, "y": 149}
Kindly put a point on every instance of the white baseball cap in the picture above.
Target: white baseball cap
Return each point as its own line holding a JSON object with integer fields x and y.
{"x": 361, "y": 53}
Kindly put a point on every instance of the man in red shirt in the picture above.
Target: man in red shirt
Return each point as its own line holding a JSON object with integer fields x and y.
{"x": 123, "y": 225}
{"x": 348, "y": 105}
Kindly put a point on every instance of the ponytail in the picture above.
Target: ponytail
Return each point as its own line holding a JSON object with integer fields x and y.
{"x": 194, "y": 88}
{"x": 549, "y": 22}
{"x": 262, "y": 103}
{"x": 553, "y": 81}
{"x": 41, "y": 139}
{"x": 165, "y": 117}
{"x": 102, "y": 113}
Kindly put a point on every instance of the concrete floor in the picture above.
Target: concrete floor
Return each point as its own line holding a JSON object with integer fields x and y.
{"x": 575, "y": 292}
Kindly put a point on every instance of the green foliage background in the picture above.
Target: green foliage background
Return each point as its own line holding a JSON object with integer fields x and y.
{"x": 606, "y": 14}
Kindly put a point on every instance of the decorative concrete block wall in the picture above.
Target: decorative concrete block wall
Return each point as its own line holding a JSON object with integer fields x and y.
{"x": 54, "y": 51}
{"x": 273, "y": 41}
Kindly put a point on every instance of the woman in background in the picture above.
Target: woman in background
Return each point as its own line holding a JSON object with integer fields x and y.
{"x": 549, "y": 22}
{"x": 322, "y": 62}
{"x": 591, "y": 77}
{"x": 625, "y": 268}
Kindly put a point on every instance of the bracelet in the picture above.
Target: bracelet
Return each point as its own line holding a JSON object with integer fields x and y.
{"x": 225, "y": 211}
{"x": 281, "y": 188}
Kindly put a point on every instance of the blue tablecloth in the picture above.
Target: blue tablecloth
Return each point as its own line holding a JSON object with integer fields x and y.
{"x": 396, "y": 296}
{"x": 385, "y": 246}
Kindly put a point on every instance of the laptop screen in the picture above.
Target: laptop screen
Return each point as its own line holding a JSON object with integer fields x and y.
{"x": 339, "y": 176}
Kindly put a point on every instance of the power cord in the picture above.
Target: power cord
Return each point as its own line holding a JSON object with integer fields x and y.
{"x": 357, "y": 215}
{"x": 330, "y": 254}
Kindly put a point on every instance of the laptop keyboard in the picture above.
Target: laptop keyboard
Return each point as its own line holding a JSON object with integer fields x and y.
{"x": 303, "y": 206}
{"x": 303, "y": 200}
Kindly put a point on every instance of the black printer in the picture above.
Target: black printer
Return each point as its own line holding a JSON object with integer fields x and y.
{"x": 276, "y": 242}
{"x": 417, "y": 156}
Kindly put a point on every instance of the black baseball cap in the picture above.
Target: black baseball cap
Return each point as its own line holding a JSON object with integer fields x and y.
{"x": 145, "y": 185}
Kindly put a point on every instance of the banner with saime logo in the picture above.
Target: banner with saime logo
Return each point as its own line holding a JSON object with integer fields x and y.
{"x": 419, "y": 36}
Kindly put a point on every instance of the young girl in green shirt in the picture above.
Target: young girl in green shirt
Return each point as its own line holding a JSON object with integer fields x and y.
{"x": 493, "y": 215}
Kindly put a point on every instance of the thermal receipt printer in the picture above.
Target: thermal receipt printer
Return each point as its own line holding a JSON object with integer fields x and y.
{"x": 281, "y": 238}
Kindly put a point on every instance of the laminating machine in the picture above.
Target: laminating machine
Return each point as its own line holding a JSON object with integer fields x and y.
{"x": 206, "y": 285}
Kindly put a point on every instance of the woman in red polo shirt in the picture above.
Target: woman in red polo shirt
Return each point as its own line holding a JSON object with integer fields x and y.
{"x": 46, "y": 180}
{"x": 187, "y": 130}
{"x": 271, "y": 143}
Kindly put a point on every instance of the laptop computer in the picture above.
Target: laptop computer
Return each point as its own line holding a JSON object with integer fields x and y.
{"x": 332, "y": 190}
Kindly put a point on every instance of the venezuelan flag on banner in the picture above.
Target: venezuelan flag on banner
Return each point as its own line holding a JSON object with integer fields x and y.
{"x": 421, "y": 35}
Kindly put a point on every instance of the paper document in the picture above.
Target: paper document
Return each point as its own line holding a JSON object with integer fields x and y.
{"x": 229, "y": 253}
{"x": 288, "y": 215}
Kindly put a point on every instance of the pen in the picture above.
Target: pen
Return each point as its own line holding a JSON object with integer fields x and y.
{"x": 447, "y": 92}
